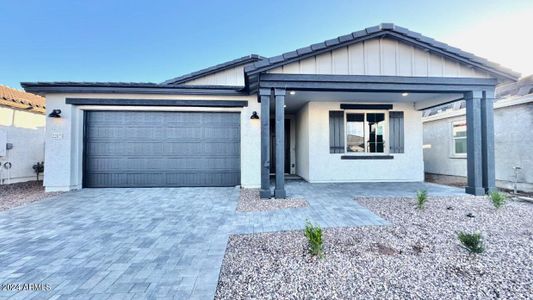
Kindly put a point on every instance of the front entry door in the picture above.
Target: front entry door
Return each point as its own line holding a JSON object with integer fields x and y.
{"x": 273, "y": 146}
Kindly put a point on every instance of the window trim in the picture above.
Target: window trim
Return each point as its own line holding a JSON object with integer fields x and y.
{"x": 386, "y": 150}
{"x": 453, "y": 154}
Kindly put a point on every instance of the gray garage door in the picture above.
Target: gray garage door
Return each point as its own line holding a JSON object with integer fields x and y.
{"x": 158, "y": 149}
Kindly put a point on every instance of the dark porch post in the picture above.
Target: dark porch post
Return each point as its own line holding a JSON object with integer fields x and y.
{"x": 265, "y": 95}
{"x": 279, "y": 191}
{"x": 474, "y": 159}
{"x": 487, "y": 140}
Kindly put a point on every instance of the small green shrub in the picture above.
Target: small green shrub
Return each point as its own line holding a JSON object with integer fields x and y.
{"x": 314, "y": 239}
{"x": 473, "y": 242}
{"x": 421, "y": 198}
{"x": 38, "y": 168}
{"x": 498, "y": 199}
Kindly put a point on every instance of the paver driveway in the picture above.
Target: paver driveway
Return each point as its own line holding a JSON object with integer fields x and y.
{"x": 150, "y": 243}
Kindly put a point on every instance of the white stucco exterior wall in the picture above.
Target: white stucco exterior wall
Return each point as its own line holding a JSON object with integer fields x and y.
{"x": 323, "y": 166}
{"x": 439, "y": 158}
{"x": 25, "y": 130}
{"x": 64, "y": 136}
{"x": 302, "y": 142}
{"x": 513, "y": 135}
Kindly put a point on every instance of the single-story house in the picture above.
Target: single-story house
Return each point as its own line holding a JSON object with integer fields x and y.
{"x": 348, "y": 109}
{"x": 445, "y": 150}
{"x": 22, "y": 130}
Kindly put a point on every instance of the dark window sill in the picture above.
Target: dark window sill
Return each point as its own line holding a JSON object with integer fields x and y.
{"x": 367, "y": 157}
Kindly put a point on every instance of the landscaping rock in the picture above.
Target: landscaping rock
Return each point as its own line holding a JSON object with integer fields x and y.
{"x": 250, "y": 201}
{"x": 17, "y": 194}
{"x": 417, "y": 257}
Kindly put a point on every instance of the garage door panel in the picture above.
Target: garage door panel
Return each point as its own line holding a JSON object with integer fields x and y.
{"x": 221, "y": 133}
{"x": 139, "y": 164}
{"x": 114, "y": 149}
{"x": 203, "y": 179}
{"x": 146, "y": 179}
{"x": 186, "y": 132}
{"x": 129, "y": 149}
{"x": 127, "y": 164}
{"x": 221, "y": 119}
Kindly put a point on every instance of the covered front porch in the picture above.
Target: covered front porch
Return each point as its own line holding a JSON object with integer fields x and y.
{"x": 389, "y": 147}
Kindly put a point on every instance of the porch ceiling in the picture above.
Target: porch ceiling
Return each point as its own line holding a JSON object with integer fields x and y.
{"x": 295, "y": 102}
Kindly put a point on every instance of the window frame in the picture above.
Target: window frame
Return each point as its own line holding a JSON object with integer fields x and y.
{"x": 454, "y": 154}
{"x": 386, "y": 150}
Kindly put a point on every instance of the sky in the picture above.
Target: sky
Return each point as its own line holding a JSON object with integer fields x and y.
{"x": 151, "y": 41}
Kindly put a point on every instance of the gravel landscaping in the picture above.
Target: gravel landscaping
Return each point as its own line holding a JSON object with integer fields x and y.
{"x": 249, "y": 201}
{"x": 18, "y": 194}
{"x": 418, "y": 256}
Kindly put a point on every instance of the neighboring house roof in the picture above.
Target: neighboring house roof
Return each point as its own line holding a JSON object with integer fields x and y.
{"x": 22, "y": 100}
{"x": 384, "y": 29}
{"x": 522, "y": 87}
{"x": 508, "y": 92}
{"x": 214, "y": 69}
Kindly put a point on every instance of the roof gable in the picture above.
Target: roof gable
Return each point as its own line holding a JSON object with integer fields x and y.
{"x": 381, "y": 56}
{"x": 223, "y": 67}
{"x": 384, "y": 30}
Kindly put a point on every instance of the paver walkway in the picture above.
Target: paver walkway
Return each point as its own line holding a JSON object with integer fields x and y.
{"x": 155, "y": 243}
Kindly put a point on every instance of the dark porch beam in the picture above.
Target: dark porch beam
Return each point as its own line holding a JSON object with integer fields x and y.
{"x": 487, "y": 140}
{"x": 364, "y": 83}
{"x": 474, "y": 160}
{"x": 264, "y": 96}
{"x": 279, "y": 191}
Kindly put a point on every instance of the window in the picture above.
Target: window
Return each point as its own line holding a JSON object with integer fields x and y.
{"x": 459, "y": 138}
{"x": 355, "y": 132}
{"x": 365, "y": 132}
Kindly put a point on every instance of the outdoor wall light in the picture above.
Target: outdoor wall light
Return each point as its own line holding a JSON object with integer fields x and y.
{"x": 405, "y": 94}
{"x": 292, "y": 92}
{"x": 56, "y": 113}
{"x": 254, "y": 116}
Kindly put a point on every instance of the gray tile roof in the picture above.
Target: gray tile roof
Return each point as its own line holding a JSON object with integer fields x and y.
{"x": 376, "y": 31}
{"x": 217, "y": 68}
{"x": 134, "y": 87}
{"x": 88, "y": 83}
{"x": 27, "y": 85}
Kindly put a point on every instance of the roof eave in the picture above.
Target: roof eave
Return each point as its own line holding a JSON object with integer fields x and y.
{"x": 44, "y": 88}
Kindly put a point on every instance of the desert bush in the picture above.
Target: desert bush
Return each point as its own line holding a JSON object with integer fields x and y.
{"x": 38, "y": 168}
{"x": 472, "y": 242}
{"x": 314, "y": 239}
{"x": 498, "y": 199}
{"x": 421, "y": 198}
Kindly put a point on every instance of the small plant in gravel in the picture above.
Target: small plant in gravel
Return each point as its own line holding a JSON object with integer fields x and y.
{"x": 472, "y": 242}
{"x": 421, "y": 198}
{"x": 38, "y": 168}
{"x": 314, "y": 239}
{"x": 497, "y": 198}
